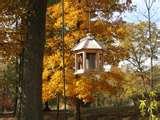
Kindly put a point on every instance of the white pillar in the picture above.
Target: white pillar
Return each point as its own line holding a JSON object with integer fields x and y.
{"x": 75, "y": 62}
{"x": 84, "y": 61}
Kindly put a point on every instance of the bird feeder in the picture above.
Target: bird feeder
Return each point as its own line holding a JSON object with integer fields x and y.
{"x": 88, "y": 55}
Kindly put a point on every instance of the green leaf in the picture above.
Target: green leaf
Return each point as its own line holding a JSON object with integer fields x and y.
{"x": 142, "y": 107}
{"x": 152, "y": 94}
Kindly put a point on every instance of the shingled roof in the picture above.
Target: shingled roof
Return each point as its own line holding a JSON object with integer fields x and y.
{"x": 88, "y": 42}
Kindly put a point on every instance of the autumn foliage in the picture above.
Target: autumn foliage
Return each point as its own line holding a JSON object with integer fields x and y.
{"x": 78, "y": 15}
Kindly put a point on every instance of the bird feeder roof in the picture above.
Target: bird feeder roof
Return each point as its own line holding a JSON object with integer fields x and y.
{"x": 88, "y": 42}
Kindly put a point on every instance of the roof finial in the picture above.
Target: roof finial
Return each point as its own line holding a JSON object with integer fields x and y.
{"x": 90, "y": 36}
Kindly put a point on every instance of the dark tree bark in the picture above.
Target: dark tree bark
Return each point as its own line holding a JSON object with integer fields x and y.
{"x": 47, "y": 108}
{"x": 33, "y": 58}
{"x": 58, "y": 101}
{"x": 78, "y": 109}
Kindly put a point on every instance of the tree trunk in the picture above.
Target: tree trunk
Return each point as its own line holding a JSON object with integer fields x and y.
{"x": 78, "y": 112}
{"x": 47, "y": 107}
{"x": 32, "y": 64}
{"x": 58, "y": 100}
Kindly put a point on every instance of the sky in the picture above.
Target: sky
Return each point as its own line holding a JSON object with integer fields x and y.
{"x": 141, "y": 11}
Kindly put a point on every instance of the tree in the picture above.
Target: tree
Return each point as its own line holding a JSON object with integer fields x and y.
{"x": 140, "y": 49}
{"x": 12, "y": 27}
{"x": 33, "y": 57}
{"x": 149, "y": 5}
{"x": 76, "y": 24}
{"x": 148, "y": 13}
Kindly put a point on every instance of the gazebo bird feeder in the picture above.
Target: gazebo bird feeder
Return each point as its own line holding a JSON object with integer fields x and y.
{"x": 88, "y": 55}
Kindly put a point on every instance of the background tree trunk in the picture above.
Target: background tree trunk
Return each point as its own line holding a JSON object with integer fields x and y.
{"x": 78, "y": 109}
{"x": 33, "y": 58}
